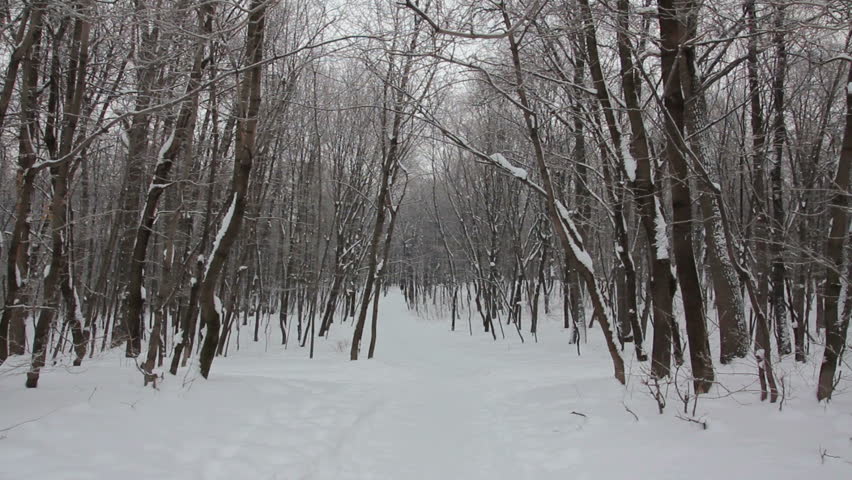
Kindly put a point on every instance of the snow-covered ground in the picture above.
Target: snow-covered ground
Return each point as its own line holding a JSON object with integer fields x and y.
{"x": 434, "y": 404}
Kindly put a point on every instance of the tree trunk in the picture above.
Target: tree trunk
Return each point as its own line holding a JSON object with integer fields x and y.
{"x": 836, "y": 325}
{"x": 673, "y": 36}
{"x": 12, "y": 337}
{"x": 249, "y": 105}
{"x": 173, "y": 147}
{"x": 58, "y": 279}
{"x": 777, "y": 228}
{"x": 663, "y": 283}
{"x": 129, "y": 325}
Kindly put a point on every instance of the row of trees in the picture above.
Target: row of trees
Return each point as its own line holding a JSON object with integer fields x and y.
{"x": 190, "y": 172}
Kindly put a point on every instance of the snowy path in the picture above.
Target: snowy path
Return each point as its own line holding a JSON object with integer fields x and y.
{"x": 434, "y": 404}
{"x": 438, "y": 420}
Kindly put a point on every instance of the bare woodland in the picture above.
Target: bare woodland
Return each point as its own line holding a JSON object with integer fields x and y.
{"x": 178, "y": 177}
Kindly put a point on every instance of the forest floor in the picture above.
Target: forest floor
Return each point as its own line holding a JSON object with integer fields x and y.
{"x": 434, "y": 404}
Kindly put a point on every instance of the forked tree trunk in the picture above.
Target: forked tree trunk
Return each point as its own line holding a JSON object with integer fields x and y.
{"x": 248, "y": 107}
{"x": 174, "y": 146}
{"x": 673, "y": 36}
{"x": 663, "y": 283}
{"x": 58, "y": 279}
{"x": 777, "y": 226}
{"x": 730, "y": 308}
{"x": 129, "y": 327}
{"x": 569, "y": 237}
{"x": 836, "y": 325}
{"x": 12, "y": 334}
{"x": 389, "y": 163}
{"x": 628, "y": 285}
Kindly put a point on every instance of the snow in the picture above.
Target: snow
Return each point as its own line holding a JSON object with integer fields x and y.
{"x": 645, "y": 10}
{"x": 501, "y": 161}
{"x": 78, "y": 312}
{"x": 157, "y": 186}
{"x": 580, "y": 253}
{"x": 226, "y": 221}
{"x": 434, "y": 404}
{"x": 661, "y": 239}
{"x": 629, "y": 161}
{"x": 165, "y": 148}
{"x": 217, "y": 305}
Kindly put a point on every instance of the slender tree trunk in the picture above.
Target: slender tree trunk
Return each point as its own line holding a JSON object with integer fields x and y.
{"x": 388, "y": 164}
{"x": 837, "y": 325}
{"x": 174, "y": 146}
{"x": 627, "y": 165}
{"x": 249, "y": 105}
{"x": 777, "y": 229}
{"x": 129, "y": 325}
{"x": 58, "y": 280}
{"x": 12, "y": 334}
{"x": 569, "y": 237}
{"x": 663, "y": 283}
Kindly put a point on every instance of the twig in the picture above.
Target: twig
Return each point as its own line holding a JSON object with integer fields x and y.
{"x": 631, "y": 412}
{"x": 699, "y": 421}
{"x": 3, "y": 430}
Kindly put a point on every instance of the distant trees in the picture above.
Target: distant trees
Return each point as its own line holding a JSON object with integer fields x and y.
{"x": 688, "y": 121}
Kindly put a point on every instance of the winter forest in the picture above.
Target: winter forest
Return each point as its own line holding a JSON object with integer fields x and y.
{"x": 400, "y": 239}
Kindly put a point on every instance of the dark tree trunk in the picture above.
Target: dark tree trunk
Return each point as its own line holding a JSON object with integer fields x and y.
{"x": 129, "y": 325}
{"x": 59, "y": 280}
{"x": 673, "y": 36}
{"x": 249, "y": 105}
{"x": 836, "y": 325}
{"x": 777, "y": 226}
{"x": 12, "y": 334}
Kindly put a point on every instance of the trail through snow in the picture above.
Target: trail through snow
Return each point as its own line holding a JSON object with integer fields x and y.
{"x": 434, "y": 404}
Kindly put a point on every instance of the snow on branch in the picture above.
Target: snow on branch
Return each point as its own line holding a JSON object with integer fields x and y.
{"x": 226, "y": 221}
{"x": 501, "y": 161}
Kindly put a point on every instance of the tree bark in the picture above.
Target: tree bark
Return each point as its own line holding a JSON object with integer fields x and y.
{"x": 777, "y": 228}
{"x": 173, "y": 147}
{"x": 673, "y": 36}
{"x": 12, "y": 334}
{"x": 837, "y": 325}
{"x": 249, "y": 104}
{"x": 58, "y": 279}
{"x": 129, "y": 326}
{"x": 663, "y": 283}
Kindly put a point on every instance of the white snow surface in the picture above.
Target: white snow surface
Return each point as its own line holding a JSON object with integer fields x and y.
{"x": 434, "y": 404}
